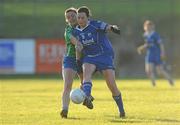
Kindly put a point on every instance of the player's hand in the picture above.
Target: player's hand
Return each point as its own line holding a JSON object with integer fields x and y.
{"x": 115, "y": 29}
{"x": 78, "y": 46}
{"x": 139, "y": 50}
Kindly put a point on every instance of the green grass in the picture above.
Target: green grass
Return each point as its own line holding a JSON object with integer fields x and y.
{"x": 38, "y": 102}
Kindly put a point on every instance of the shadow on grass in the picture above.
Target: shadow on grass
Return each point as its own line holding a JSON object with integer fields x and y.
{"x": 81, "y": 118}
{"x": 127, "y": 119}
{"x": 167, "y": 120}
{"x": 116, "y": 119}
{"x": 73, "y": 118}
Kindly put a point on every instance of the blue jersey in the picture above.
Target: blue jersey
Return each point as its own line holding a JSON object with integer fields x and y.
{"x": 153, "y": 54}
{"x": 153, "y": 40}
{"x": 94, "y": 40}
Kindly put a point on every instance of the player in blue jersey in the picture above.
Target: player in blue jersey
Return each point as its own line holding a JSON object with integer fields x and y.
{"x": 155, "y": 53}
{"x": 97, "y": 54}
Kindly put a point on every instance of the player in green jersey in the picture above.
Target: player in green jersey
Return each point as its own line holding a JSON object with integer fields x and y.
{"x": 70, "y": 67}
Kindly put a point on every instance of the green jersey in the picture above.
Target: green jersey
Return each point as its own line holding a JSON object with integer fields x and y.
{"x": 70, "y": 48}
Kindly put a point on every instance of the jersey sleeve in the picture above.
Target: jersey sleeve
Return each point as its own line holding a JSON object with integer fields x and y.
{"x": 99, "y": 25}
{"x": 67, "y": 35}
{"x": 145, "y": 38}
{"x": 74, "y": 34}
{"x": 158, "y": 38}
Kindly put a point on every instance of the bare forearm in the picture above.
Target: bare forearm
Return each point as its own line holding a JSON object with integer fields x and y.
{"x": 162, "y": 49}
{"x": 78, "y": 55}
{"x": 73, "y": 40}
{"x": 108, "y": 28}
{"x": 163, "y": 55}
{"x": 79, "y": 48}
{"x": 142, "y": 48}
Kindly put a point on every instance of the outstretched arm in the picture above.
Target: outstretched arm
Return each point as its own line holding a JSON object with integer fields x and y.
{"x": 73, "y": 40}
{"x": 163, "y": 56}
{"x": 142, "y": 48}
{"x": 79, "y": 48}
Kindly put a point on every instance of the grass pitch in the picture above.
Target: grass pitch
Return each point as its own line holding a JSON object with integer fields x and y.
{"x": 38, "y": 102}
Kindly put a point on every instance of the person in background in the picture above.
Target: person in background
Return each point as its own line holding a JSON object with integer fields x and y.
{"x": 155, "y": 53}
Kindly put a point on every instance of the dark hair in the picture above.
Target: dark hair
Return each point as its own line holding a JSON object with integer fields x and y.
{"x": 85, "y": 10}
{"x": 71, "y": 9}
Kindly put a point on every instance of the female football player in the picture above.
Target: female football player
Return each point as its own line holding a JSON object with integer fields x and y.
{"x": 155, "y": 52}
{"x": 70, "y": 67}
{"x": 97, "y": 54}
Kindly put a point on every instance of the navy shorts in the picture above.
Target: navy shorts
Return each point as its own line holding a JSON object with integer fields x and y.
{"x": 102, "y": 62}
{"x": 156, "y": 60}
{"x": 70, "y": 62}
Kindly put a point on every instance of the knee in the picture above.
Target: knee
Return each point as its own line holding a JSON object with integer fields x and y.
{"x": 67, "y": 87}
{"x": 149, "y": 72}
{"x": 88, "y": 70}
{"x": 159, "y": 72}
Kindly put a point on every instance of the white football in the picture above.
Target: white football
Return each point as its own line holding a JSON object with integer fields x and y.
{"x": 77, "y": 96}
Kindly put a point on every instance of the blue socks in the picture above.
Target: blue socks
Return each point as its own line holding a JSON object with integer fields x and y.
{"x": 87, "y": 88}
{"x": 119, "y": 102}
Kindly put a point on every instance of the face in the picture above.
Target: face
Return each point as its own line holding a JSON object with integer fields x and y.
{"x": 148, "y": 27}
{"x": 71, "y": 18}
{"x": 82, "y": 19}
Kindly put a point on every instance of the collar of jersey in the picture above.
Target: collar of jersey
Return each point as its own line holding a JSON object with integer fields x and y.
{"x": 77, "y": 27}
{"x": 148, "y": 34}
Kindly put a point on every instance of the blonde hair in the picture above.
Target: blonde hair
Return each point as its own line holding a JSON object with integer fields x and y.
{"x": 71, "y": 9}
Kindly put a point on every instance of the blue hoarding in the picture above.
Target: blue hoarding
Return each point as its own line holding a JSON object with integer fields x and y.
{"x": 7, "y": 54}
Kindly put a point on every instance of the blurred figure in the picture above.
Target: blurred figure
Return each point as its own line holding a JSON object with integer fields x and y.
{"x": 155, "y": 53}
{"x": 70, "y": 67}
